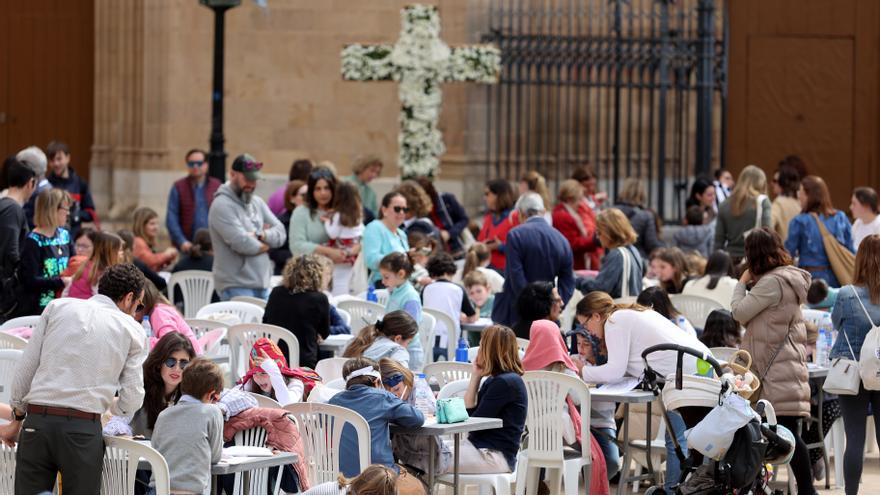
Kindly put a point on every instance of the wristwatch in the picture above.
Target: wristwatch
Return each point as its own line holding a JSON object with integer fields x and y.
{"x": 18, "y": 417}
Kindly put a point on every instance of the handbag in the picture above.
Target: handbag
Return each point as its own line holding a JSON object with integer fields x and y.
{"x": 843, "y": 377}
{"x": 869, "y": 359}
{"x": 451, "y": 410}
{"x": 843, "y": 262}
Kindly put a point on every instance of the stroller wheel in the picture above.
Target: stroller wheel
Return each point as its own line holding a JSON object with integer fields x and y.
{"x": 655, "y": 490}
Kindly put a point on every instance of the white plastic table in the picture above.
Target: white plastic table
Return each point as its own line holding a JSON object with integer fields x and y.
{"x": 432, "y": 428}
{"x": 335, "y": 343}
{"x": 627, "y": 398}
{"x": 477, "y": 326}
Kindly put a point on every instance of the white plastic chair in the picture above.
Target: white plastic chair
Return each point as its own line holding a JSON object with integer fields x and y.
{"x": 695, "y": 308}
{"x": 12, "y": 342}
{"x": 522, "y": 344}
{"x": 345, "y": 315}
{"x": 363, "y": 313}
{"x": 454, "y": 389}
{"x": 245, "y": 312}
{"x": 255, "y": 437}
{"x": 20, "y": 322}
{"x": 219, "y": 349}
{"x": 242, "y": 338}
{"x": 426, "y": 336}
{"x": 330, "y": 368}
{"x": 265, "y": 401}
{"x": 567, "y": 318}
{"x": 256, "y": 301}
{"x": 197, "y": 287}
{"x": 382, "y": 296}
{"x": 336, "y": 384}
{"x": 320, "y": 428}
{"x": 453, "y": 331}
{"x": 8, "y": 359}
{"x": 121, "y": 457}
{"x": 547, "y": 392}
{"x": 7, "y": 469}
{"x": 446, "y": 372}
{"x": 723, "y": 353}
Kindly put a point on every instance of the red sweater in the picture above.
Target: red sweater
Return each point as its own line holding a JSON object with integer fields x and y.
{"x": 496, "y": 228}
{"x": 583, "y": 247}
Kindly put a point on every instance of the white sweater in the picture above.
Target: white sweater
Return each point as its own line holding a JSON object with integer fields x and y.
{"x": 627, "y": 334}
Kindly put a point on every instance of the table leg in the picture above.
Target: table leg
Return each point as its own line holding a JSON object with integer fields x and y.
{"x": 648, "y": 439}
{"x": 431, "y": 461}
{"x": 215, "y": 489}
{"x": 455, "y": 467}
{"x": 624, "y": 467}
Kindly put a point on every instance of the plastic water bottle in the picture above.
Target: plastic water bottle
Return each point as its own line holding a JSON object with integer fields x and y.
{"x": 461, "y": 352}
{"x": 423, "y": 398}
{"x": 148, "y": 329}
{"x": 371, "y": 295}
{"x": 822, "y": 348}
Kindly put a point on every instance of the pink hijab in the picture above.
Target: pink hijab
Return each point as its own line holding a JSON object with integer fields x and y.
{"x": 546, "y": 347}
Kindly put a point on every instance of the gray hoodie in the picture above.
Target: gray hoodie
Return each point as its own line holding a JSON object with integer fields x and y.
{"x": 237, "y": 258}
{"x": 697, "y": 238}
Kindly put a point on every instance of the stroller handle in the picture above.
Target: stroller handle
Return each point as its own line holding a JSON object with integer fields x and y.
{"x": 681, "y": 350}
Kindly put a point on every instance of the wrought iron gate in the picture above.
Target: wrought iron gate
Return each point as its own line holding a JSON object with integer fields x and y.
{"x": 634, "y": 88}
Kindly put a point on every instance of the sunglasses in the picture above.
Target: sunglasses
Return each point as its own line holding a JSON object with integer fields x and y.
{"x": 252, "y": 166}
{"x": 170, "y": 363}
{"x": 401, "y": 209}
{"x": 195, "y": 163}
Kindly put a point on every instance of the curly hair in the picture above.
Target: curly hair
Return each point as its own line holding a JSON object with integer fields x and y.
{"x": 304, "y": 274}
{"x": 120, "y": 280}
{"x": 441, "y": 264}
{"x": 420, "y": 204}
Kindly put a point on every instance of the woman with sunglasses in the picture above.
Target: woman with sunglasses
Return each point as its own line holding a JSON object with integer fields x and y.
{"x": 384, "y": 236}
{"x": 307, "y": 234}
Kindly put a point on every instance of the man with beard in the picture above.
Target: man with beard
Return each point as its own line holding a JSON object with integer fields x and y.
{"x": 242, "y": 231}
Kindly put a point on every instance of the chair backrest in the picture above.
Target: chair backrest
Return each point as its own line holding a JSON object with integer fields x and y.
{"x": 245, "y": 312}
{"x": 567, "y": 318}
{"x": 446, "y": 372}
{"x": 264, "y": 401}
{"x": 363, "y": 313}
{"x": 330, "y": 368}
{"x": 345, "y": 315}
{"x": 454, "y": 389}
{"x": 200, "y": 326}
{"x": 336, "y": 384}
{"x": 320, "y": 428}
{"x": 121, "y": 457}
{"x": 254, "y": 437}
{"x": 8, "y": 359}
{"x": 242, "y": 338}
{"x": 20, "y": 322}
{"x": 547, "y": 391}
{"x": 522, "y": 344}
{"x": 256, "y": 301}
{"x": 7, "y": 469}
{"x": 426, "y": 336}
{"x": 722, "y": 353}
{"x": 453, "y": 330}
{"x": 813, "y": 316}
{"x": 381, "y": 296}
{"x": 211, "y": 347}
{"x": 12, "y": 342}
{"x": 695, "y": 308}
{"x": 197, "y": 287}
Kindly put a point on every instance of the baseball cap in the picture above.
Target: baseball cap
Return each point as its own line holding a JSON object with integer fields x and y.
{"x": 249, "y": 166}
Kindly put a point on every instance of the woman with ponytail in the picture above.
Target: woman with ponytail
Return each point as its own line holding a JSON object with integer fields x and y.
{"x": 387, "y": 337}
{"x": 478, "y": 258}
{"x": 375, "y": 480}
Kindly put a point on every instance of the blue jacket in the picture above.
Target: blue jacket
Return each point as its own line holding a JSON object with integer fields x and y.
{"x": 610, "y": 276}
{"x": 379, "y": 408}
{"x": 805, "y": 242}
{"x": 535, "y": 252}
{"x": 848, "y": 317}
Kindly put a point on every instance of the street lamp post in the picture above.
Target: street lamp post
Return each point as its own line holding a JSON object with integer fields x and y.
{"x": 217, "y": 155}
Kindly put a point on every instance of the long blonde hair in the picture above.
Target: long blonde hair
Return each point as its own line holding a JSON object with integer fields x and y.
{"x": 751, "y": 183}
{"x": 46, "y": 207}
{"x": 477, "y": 254}
{"x": 374, "y": 480}
{"x": 600, "y": 303}
{"x": 616, "y": 228}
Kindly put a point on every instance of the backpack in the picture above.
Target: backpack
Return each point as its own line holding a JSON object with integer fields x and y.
{"x": 869, "y": 357}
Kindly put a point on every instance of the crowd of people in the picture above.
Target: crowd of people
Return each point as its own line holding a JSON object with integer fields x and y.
{"x": 760, "y": 253}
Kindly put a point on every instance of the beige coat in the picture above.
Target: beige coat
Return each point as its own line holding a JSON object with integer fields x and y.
{"x": 782, "y": 211}
{"x": 768, "y": 311}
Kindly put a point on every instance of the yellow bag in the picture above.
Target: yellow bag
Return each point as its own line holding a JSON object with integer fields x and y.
{"x": 843, "y": 262}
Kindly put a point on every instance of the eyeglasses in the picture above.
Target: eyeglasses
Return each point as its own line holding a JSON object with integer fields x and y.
{"x": 401, "y": 209}
{"x": 170, "y": 363}
{"x": 195, "y": 163}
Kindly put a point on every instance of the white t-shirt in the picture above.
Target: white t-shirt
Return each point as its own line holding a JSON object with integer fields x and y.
{"x": 861, "y": 230}
{"x": 722, "y": 293}
{"x": 628, "y": 333}
{"x": 450, "y": 299}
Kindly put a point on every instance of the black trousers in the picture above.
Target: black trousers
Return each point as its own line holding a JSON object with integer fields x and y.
{"x": 49, "y": 444}
{"x": 800, "y": 461}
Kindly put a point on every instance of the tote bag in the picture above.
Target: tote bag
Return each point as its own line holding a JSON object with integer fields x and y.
{"x": 844, "y": 376}
{"x": 843, "y": 262}
{"x": 869, "y": 360}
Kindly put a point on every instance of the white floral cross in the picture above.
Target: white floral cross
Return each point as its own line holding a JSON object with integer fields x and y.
{"x": 420, "y": 61}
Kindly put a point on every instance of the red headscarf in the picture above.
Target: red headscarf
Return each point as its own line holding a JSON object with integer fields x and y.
{"x": 305, "y": 375}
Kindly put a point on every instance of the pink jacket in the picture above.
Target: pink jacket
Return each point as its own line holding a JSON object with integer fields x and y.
{"x": 81, "y": 288}
{"x": 165, "y": 319}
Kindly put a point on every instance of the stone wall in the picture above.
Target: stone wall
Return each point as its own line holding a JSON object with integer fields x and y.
{"x": 284, "y": 97}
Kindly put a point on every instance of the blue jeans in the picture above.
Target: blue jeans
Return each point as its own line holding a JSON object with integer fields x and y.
{"x": 605, "y": 438}
{"x": 230, "y": 292}
{"x": 673, "y": 466}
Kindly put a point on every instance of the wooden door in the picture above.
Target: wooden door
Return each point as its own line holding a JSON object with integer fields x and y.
{"x": 804, "y": 81}
{"x": 46, "y": 76}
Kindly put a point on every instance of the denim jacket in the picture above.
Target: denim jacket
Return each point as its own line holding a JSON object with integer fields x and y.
{"x": 848, "y": 317}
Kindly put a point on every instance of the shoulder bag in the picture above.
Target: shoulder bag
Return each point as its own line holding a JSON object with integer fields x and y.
{"x": 843, "y": 262}
{"x": 759, "y": 213}
{"x": 869, "y": 358}
{"x": 627, "y": 269}
{"x": 844, "y": 377}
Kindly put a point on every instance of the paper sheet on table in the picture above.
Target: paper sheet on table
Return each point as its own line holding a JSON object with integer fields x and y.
{"x": 341, "y": 338}
{"x": 619, "y": 387}
{"x": 244, "y": 451}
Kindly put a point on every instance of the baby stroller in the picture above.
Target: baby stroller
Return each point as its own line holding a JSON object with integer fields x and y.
{"x": 743, "y": 469}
